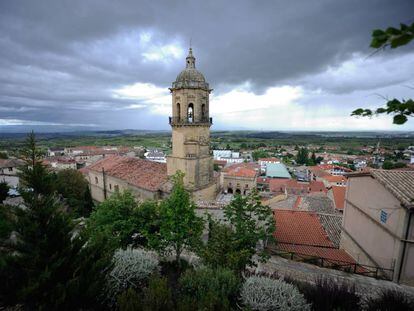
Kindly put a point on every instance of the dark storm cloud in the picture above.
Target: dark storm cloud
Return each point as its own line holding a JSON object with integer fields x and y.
{"x": 61, "y": 60}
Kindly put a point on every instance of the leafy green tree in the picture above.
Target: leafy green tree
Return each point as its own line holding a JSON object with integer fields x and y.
{"x": 4, "y": 190}
{"x": 233, "y": 246}
{"x": 74, "y": 188}
{"x": 223, "y": 248}
{"x": 3, "y": 155}
{"x": 180, "y": 227}
{"x": 393, "y": 38}
{"x": 112, "y": 220}
{"x": 319, "y": 160}
{"x": 303, "y": 156}
{"x": 257, "y": 154}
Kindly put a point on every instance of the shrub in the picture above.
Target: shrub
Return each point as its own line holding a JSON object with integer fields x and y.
{"x": 131, "y": 268}
{"x": 261, "y": 293}
{"x": 208, "y": 289}
{"x": 157, "y": 296}
{"x": 329, "y": 295}
{"x": 390, "y": 300}
{"x": 129, "y": 300}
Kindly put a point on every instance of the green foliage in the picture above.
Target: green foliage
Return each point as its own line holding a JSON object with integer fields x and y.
{"x": 224, "y": 248}
{"x": 302, "y": 156}
{"x": 179, "y": 226}
{"x": 157, "y": 296}
{"x": 72, "y": 185}
{"x": 388, "y": 165}
{"x": 208, "y": 289}
{"x": 257, "y": 154}
{"x": 262, "y": 293}
{"x": 3, "y": 155}
{"x": 113, "y": 220}
{"x": 4, "y": 190}
{"x": 251, "y": 223}
{"x": 129, "y": 300}
{"x": 400, "y": 109}
{"x": 49, "y": 265}
{"x": 392, "y": 37}
{"x": 35, "y": 178}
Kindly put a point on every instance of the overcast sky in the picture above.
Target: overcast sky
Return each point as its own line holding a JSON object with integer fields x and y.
{"x": 273, "y": 65}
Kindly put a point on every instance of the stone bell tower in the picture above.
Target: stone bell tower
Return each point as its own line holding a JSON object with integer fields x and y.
{"x": 190, "y": 123}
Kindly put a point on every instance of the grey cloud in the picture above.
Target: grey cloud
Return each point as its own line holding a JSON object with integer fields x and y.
{"x": 59, "y": 60}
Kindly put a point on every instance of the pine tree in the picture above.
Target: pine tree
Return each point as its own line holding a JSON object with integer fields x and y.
{"x": 49, "y": 266}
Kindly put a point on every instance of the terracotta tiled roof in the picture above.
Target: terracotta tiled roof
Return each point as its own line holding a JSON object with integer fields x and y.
{"x": 300, "y": 227}
{"x": 277, "y": 184}
{"x": 317, "y": 186}
{"x": 399, "y": 183}
{"x": 137, "y": 172}
{"x": 339, "y": 196}
{"x": 249, "y": 170}
{"x": 302, "y": 232}
{"x": 333, "y": 178}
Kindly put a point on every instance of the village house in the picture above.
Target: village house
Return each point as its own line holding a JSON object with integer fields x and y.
{"x": 239, "y": 178}
{"x": 378, "y": 224}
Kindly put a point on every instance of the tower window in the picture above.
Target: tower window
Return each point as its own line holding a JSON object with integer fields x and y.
{"x": 190, "y": 113}
{"x": 178, "y": 110}
{"x": 96, "y": 180}
{"x": 203, "y": 111}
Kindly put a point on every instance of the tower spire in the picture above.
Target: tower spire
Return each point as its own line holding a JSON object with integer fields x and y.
{"x": 190, "y": 58}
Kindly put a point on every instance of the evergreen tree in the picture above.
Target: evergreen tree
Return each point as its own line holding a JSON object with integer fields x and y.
{"x": 303, "y": 156}
{"x": 180, "y": 227}
{"x": 49, "y": 266}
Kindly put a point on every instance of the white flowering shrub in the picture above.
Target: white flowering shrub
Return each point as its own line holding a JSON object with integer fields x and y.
{"x": 131, "y": 267}
{"x": 262, "y": 293}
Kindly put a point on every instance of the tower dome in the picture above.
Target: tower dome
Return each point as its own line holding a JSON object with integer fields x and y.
{"x": 190, "y": 77}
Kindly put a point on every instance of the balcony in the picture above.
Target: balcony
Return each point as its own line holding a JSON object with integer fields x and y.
{"x": 190, "y": 122}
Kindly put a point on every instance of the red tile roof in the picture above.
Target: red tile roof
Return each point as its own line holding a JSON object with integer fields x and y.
{"x": 301, "y": 232}
{"x": 137, "y": 172}
{"x": 337, "y": 178}
{"x": 300, "y": 227}
{"x": 339, "y": 196}
{"x": 317, "y": 186}
{"x": 249, "y": 170}
{"x": 277, "y": 184}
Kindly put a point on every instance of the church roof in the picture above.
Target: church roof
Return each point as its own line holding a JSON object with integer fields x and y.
{"x": 190, "y": 77}
{"x": 141, "y": 173}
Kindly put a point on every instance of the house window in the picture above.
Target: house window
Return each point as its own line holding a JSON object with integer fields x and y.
{"x": 384, "y": 217}
{"x": 116, "y": 188}
{"x": 96, "y": 180}
{"x": 10, "y": 169}
{"x": 110, "y": 186}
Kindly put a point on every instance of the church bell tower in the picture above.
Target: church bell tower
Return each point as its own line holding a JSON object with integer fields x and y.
{"x": 190, "y": 123}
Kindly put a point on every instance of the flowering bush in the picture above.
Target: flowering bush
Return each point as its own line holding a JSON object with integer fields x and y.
{"x": 131, "y": 267}
{"x": 261, "y": 293}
